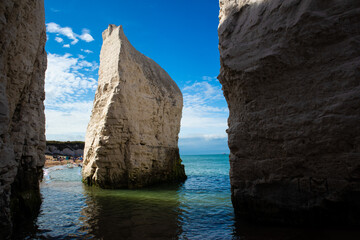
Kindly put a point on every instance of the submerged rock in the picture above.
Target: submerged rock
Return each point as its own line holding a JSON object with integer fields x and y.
{"x": 132, "y": 137}
{"x": 22, "y": 120}
{"x": 290, "y": 74}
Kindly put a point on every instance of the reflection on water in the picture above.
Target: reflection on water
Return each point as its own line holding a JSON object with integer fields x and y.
{"x": 63, "y": 198}
{"x": 140, "y": 214}
{"x": 199, "y": 209}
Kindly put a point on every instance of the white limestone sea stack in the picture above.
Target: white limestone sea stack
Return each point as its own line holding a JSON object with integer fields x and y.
{"x": 132, "y": 137}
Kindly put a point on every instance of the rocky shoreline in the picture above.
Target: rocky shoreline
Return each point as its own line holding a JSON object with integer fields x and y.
{"x": 50, "y": 162}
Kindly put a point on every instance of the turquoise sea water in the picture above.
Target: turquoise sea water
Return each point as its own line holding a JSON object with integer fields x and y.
{"x": 198, "y": 209}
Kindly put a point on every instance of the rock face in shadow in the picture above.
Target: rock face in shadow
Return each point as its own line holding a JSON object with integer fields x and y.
{"x": 55, "y": 148}
{"x": 22, "y": 120}
{"x": 290, "y": 72}
{"x": 132, "y": 137}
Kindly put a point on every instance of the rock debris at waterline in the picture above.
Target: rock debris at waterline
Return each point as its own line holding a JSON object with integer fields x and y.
{"x": 290, "y": 74}
{"x": 132, "y": 137}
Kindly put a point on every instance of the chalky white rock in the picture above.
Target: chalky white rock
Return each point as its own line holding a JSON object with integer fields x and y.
{"x": 132, "y": 137}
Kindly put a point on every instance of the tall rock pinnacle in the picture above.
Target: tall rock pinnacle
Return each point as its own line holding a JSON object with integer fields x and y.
{"x": 132, "y": 137}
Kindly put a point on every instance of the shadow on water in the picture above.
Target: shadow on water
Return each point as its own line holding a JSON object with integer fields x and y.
{"x": 71, "y": 210}
{"x": 132, "y": 214}
{"x": 247, "y": 231}
{"x": 198, "y": 209}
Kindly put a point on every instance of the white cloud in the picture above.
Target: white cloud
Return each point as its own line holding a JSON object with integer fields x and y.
{"x": 86, "y": 51}
{"x": 85, "y": 36}
{"x": 70, "y": 121}
{"x": 207, "y": 78}
{"x": 64, "y": 77}
{"x": 68, "y": 32}
{"x": 54, "y": 10}
{"x": 210, "y": 137}
{"x": 202, "y": 145}
{"x": 205, "y": 112}
{"x": 59, "y": 39}
{"x": 66, "y": 45}
{"x": 69, "y": 86}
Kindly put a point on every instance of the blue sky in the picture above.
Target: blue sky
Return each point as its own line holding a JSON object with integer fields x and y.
{"x": 181, "y": 36}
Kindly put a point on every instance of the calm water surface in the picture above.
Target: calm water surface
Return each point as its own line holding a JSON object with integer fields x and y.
{"x": 199, "y": 209}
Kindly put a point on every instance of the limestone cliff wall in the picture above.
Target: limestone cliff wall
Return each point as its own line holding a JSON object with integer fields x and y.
{"x": 22, "y": 120}
{"x": 131, "y": 140}
{"x": 290, "y": 71}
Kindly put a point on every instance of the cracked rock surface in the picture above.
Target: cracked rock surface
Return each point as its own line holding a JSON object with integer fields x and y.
{"x": 22, "y": 120}
{"x": 132, "y": 137}
{"x": 290, "y": 72}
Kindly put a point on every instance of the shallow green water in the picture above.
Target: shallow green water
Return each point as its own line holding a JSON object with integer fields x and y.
{"x": 199, "y": 209}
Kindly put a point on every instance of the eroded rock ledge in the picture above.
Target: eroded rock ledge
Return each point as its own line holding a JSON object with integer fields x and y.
{"x": 22, "y": 120}
{"x": 132, "y": 137}
{"x": 290, "y": 72}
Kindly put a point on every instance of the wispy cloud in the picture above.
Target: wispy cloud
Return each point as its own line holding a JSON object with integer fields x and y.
{"x": 66, "y": 45}
{"x": 69, "y": 85}
{"x": 199, "y": 145}
{"x": 86, "y": 51}
{"x": 54, "y": 10}
{"x": 205, "y": 112}
{"x": 59, "y": 39}
{"x": 65, "y": 78}
{"x": 68, "y": 32}
{"x": 85, "y": 36}
{"x": 69, "y": 121}
{"x": 207, "y": 78}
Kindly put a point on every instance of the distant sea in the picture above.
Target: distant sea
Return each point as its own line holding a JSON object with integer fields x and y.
{"x": 198, "y": 209}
